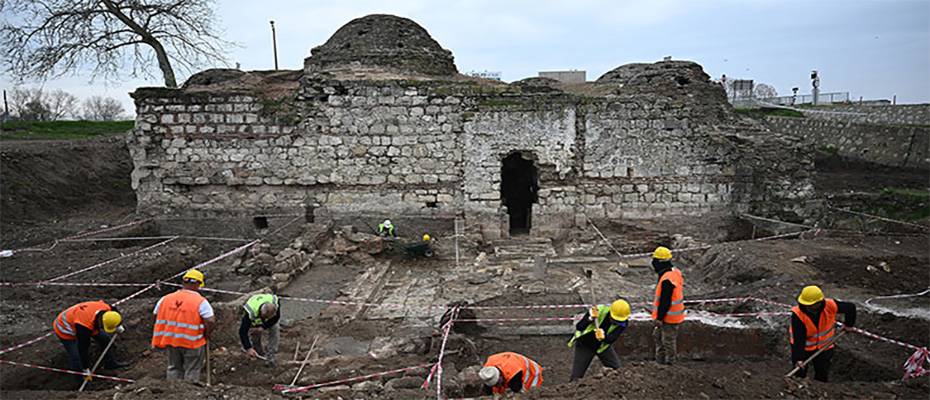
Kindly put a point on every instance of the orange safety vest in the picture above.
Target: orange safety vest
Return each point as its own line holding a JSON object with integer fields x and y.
{"x": 178, "y": 322}
{"x": 817, "y": 335}
{"x": 676, "y": 310}
{"x": 510, "y": 364}
{"x": 83, "y": 314}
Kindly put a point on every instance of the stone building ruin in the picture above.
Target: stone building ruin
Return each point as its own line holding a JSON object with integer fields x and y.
{"x": 380, "y": 123}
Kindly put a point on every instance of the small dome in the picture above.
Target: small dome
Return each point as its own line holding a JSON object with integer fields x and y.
{"x": 383, "y": 42}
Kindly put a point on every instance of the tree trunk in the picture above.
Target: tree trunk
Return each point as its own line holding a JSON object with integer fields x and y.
{"x": 164, "y": 64}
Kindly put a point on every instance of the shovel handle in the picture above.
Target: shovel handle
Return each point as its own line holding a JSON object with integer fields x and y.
{"x": 817, "y": 353}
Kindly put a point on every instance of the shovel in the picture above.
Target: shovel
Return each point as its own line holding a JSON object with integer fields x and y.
{"x": 817, "y": 353}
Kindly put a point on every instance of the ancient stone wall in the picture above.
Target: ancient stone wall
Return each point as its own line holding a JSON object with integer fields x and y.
{"x": 361, "y": 143}
{"x": 905, "y": 114}
{"x": 899, "y": 146}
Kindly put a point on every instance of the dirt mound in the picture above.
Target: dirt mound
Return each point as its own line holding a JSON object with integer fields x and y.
{"x": 45, "y": 180}
{"x": 153, "y": 389}
{"x": 894, "y": 274}
{"x": 706, "y": 380}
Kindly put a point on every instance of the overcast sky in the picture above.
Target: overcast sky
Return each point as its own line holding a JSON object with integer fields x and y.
{"x": 870, "y": 48}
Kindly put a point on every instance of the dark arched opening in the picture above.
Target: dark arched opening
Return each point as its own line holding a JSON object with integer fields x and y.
{"x": 518, "y": 191}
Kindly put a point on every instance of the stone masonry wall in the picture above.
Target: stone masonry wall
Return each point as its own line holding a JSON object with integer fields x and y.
{"x": 899, "y": 146}
{"x": 644, "y": 159}
{"x": 905, "y": 114}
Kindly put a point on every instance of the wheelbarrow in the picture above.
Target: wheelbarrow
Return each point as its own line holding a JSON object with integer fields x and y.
{"x": 419, "y": 249}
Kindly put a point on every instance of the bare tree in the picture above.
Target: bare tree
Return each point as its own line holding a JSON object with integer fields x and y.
{"x": 764, "y": 91}
{"x": 99, "y": 108}
{"x": 48, "y": 38}
{"x": 60, "y": 104}
{"x": 24, "y": 101}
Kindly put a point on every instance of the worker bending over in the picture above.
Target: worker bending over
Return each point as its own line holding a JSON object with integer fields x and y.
{"x": 510, "y": 370}
{"x": 595, "y": 333}
{"x": 386, "y": 229}
{"x": 261, "y": 314}
{"x": 183, "y": 323}
{"x": 78, "y": 324}
{"x": 668, "y": 308}
{"x": 807, "y": 336}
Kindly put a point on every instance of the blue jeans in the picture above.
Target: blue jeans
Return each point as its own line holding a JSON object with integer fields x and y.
{"x": 74, "y": 353}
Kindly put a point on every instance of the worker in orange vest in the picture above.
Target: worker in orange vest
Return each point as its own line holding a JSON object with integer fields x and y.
{"x": 79, "y": 323}
{"x": 668, "y": 308}
{"x": 807, "y": 337}
{"x": 183, "y": 323}
{"x": 510, "y": 370}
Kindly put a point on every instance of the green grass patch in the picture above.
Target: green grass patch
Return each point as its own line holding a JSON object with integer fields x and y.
{"x": 62, "y": 130}
{"x": 906, "y": 204}
{"x": 770, "y": 112}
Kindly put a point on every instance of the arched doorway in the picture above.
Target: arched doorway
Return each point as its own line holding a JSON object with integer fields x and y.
{"x": 518, "y": 191}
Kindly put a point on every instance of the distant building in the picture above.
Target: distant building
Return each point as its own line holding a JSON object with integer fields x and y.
{"x": 493, "y": 75}
{"x": 573, "y": 76}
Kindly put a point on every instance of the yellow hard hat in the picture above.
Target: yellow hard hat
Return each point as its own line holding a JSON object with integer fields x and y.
{"x": 425, "y": 237}
{"x": 810, "y": 295}
{"x": 620, "y": 310}
{"x": 194, "y": 275}
{"x": 111, "y": 321}
{"x": 662, "y": 253}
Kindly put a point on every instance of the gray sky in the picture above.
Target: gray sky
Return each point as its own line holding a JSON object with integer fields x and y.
{"x": 870, "y": 48}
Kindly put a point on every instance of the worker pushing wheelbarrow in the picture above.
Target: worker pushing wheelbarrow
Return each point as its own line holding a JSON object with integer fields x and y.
{"x": 419, "y": 249}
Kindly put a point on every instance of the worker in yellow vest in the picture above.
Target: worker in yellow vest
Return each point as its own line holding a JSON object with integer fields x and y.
{"x": 668, "y": 308}
{"x": 595, "y": 333}
{"x": 807, "y": 336}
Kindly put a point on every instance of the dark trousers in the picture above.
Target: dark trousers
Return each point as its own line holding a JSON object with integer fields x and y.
{"x": 584, "y": 355}
{"x": 74, "y": 354}
{"x": 821, "y": 365}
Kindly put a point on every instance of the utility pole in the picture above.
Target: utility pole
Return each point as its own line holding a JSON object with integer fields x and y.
{"x": 274, "y": 45}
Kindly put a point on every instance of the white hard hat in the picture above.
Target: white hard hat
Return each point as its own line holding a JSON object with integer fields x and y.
{"x": 489, "y": 375}
{"x": 387, "y": 223}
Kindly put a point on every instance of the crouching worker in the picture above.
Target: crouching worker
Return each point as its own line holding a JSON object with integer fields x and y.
{"x": 183, "y": 323}
{"x": 260, "y": 315}
{"x": 813, "y": 323}
{"x": 511, "y": 371}
{"x": 80, "y": 323}
{"x": 595, "y": 334}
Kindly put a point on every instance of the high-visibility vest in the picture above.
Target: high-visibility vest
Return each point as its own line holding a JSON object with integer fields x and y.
{"x": 676, "y": 311}
{"x": 178, "y": 322}
{"x": 817, "y": 335}
{"x": 510, "y": 364}
{"x": 83, "y": 314}
{"x": 254, "y": 305}
{"x": 381, "y": 229}
{"x": 602, "y": 313}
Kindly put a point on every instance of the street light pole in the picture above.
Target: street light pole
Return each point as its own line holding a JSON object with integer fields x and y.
{"x": 274, "y": 44}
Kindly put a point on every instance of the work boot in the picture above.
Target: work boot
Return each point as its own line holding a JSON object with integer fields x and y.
{"x": 114, "y": 365}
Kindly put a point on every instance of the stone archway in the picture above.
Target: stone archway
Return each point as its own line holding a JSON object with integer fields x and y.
{"x": 519, "y": 184}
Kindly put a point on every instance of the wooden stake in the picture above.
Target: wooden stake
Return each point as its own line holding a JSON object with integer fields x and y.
{"x": 303, "y": 364}
{"x": 209, "y": 381}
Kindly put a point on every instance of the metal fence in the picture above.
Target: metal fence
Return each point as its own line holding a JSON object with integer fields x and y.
{"x": 823, "y": 98}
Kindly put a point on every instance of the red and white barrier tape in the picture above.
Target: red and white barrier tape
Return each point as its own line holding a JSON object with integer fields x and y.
{"x": 285, "y": 389}
{"x": 110, "y": 261}
{"x": 914, "y": 366}
{"x": 24, "y": 344}
{"x": 66, "y": 371}
{"x": 133, "y": 238}
{"x": 437, "y": 368}
{"x": 198, "y": 266}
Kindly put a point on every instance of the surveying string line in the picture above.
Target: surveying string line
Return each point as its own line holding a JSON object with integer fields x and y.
{"x": 65, "y": 371}
{"x": 879, "y": 218}
{"x": 159, "y": 244}
{"x": 897, "y": 296}
{"x": 80, "y": 235}
{"x": 117, "y": 239}
{"x": 284, "y": 389}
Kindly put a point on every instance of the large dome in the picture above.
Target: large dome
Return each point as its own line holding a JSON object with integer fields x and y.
{"x": 382, "y": 42}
